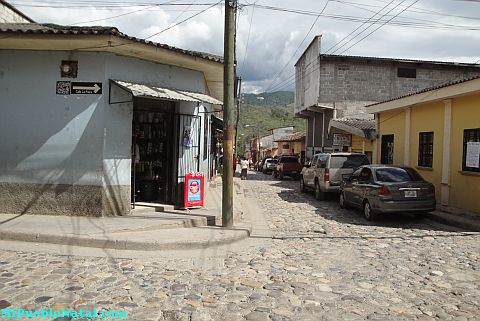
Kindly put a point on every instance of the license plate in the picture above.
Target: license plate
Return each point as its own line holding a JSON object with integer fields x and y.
{"x": 410, "y": 193}
{"x": 294, "y": 172}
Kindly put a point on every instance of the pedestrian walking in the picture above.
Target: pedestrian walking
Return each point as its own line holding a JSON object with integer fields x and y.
{"x": 244, "y": 164}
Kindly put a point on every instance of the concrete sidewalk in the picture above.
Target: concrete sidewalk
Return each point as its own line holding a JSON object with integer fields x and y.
{"x": 461, "y": 220}
{"x": 146, "y": 229}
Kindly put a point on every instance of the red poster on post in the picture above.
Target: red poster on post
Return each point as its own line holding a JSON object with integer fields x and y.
{"x": 194, "y": 189}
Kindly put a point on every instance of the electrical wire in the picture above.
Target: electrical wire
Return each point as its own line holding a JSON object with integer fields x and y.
{"x": 244, "y": 62}
{"x": 375, "y": 14}
{"x": 278, "y": 74}
{"x": 184, "y": 20}
{"x": 379, "y": 27}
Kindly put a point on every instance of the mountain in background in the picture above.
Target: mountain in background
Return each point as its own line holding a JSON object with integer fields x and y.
{"x": 261, "y": 112}
{"x": 275, "y": 99}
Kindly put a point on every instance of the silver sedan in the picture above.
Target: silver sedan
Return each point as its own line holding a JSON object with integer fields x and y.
{"x": 387, "y": 189}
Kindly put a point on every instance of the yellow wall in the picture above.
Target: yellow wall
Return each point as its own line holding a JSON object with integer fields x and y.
{"x": 392, "y": 122}
{"x": 298, "y": 147}
{"x": 465, "y": 189}
{"x": 428, "y": 118}
{"x": 357, "y": 144}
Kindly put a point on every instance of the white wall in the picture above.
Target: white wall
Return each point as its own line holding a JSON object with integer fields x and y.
{"x": 72, "y": 139}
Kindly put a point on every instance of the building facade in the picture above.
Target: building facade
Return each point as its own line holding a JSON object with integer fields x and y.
{"x": 89, "y": 131}
{"x": 332, "y": 86}
{"x": 353, "y": 135}
{"x": 436, "y": 131}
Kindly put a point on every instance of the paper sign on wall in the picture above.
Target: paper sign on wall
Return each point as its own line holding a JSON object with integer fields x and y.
{"x": 472, "y": 158}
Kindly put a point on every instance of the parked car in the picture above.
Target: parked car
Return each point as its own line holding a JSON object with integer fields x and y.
{"x": 288, "y": 165}
{"x": 324, "y": 173}
{"x": 269, "y": 165}
{"x": 387, "y": 189}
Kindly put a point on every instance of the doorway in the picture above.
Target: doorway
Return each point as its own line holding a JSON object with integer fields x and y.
{"x": 153, "y": 151}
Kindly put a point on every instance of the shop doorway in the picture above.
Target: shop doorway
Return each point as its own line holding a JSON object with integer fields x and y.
{"x": 153, "y": 151}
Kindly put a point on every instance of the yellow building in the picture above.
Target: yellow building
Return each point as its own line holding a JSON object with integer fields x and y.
{"x": 352, "y": 135}
{"x": 293, "y": 144}
{"x": 436, "y": 131}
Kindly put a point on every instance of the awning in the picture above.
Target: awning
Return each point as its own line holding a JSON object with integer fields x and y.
{"x": 139, "y": 90}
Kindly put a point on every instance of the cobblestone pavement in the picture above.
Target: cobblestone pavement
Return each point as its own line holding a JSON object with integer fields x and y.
{"x": 323, "y": 263}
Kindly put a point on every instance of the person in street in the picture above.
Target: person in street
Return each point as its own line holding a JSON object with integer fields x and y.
{"x": 244, "y": 165}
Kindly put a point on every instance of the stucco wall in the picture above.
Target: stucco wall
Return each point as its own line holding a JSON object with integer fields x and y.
{"x": 307, "y": 76}
{"x": 60, "y": 150}
{"x": 465, "y": 186}
{"x": 428, "y": 118}
{"x": 392, "y": 122}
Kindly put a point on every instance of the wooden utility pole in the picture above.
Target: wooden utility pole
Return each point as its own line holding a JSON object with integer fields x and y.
{"x": 228, "y": 112}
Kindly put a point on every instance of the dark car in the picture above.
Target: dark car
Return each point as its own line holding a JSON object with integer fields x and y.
{"x": 387, "y": 189}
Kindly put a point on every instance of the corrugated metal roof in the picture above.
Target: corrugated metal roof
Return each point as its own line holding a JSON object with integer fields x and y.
{"x": 47, "y": 28}
{"x": 140, "y": 90}
{"x": 202, "y": 97}
{"x": 450, "y": 83}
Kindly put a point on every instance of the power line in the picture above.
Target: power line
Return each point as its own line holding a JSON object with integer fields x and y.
{"x": 244, "y": 62}
{"x": 376, "y": 13}
{"x": 278, "y": 74}
{"x": 175, "y": 20}
{"x": 184, "y": 20}
{"x": 380, "y": 26}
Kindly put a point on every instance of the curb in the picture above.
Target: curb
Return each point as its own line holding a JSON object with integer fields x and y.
{"x": 125, "y": 244}
{"x": 446, "y": 219}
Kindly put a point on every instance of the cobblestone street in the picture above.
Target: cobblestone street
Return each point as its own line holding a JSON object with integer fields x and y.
{"x": 323, "y": 263}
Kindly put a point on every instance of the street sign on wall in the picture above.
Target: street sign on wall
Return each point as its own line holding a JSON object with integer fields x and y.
{"x": 78, "y": 88}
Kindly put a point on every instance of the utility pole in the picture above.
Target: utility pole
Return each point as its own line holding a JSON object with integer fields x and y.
{"x": 228, "y": 112}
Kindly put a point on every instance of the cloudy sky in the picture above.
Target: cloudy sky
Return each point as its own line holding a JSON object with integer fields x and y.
{"x": 272, "y": 34}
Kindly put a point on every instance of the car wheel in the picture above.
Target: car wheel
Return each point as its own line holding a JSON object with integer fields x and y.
{"x": 341, "y": 201}
{"x": 319, "y": 195}
{"x": 302, "y": 185}
{"x": 367, "y": 211}
{"x": 280, "y": 175}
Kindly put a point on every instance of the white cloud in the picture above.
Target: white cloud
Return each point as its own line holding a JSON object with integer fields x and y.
{"x": 275, "y": 35}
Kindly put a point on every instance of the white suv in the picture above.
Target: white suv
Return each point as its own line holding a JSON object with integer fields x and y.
{"x": 324, "y": 173}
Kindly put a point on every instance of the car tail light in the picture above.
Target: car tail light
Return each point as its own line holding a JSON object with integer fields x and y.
{"x": 384, "y": 191}
{"x": 431, "y": 190}
{"x": 326, "y": 175}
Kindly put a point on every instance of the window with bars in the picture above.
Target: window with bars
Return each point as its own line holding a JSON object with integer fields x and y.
{"x": 471, "y": 150}
{"x": 425, "y": 149}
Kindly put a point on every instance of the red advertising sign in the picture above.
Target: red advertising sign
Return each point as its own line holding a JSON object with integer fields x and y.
{"x": 194, "y": 189}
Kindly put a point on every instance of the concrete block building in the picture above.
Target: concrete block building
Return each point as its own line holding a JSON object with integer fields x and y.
{"x": 333, "y": 86}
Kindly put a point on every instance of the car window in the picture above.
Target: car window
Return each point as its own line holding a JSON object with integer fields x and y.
{"x": 365, "y": 175}
{"x": 323, "y": 160}
{"x": 348, "y": 161}
{"x": 397, "y": 174}
{"x": 272, "y": 161}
